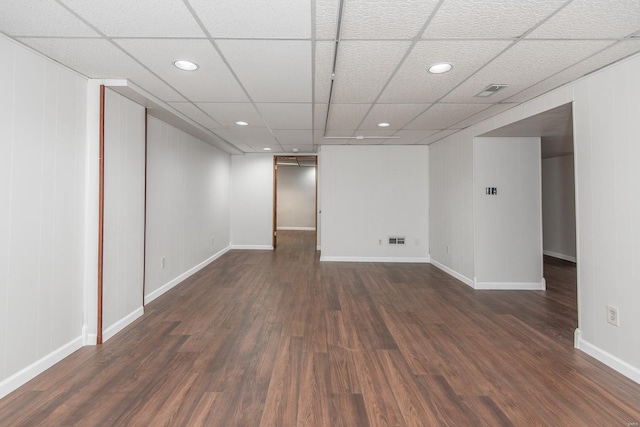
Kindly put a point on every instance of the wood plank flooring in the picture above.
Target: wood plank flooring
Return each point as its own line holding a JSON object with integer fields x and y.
{"x": 263, "y": 338}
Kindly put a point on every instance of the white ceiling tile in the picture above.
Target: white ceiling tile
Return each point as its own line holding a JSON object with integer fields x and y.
{"x": 39, "y": 18}
{"x": 319, "y": 116}
{"x": 271, "y": 70}
{"x": 101, "y": 59}
{"x": 246, "y": 148}
{"x": 346, "y": 116}
{"x": 377, "y": 133}
{"x": 324, "y": 65}
{"x": 255, "y": 136}
{"x": 383, "y": 19}
{"x": 413, "y": 83}
{"x": 140, "y": 18}
{"x": 326, "y": 19}
{"x": 286, "y": 116}
{"x": 364, "y": 67}
{"x": 302, "y": 149}
{"x": 227, "y": 114}
{"x": 592, "y": 19}
{"x": 298, "y": 138}
{"x": 488, "y": 19}
{"x": 484, "y": 114}
{"x": 397, "y": 115}
{"x": 212, "y": 82}
{"x": 255, "y": 18}
{"x": 442, "y": 116}
{"x": 191, "y": 111}
{"x": 617, "y": 51}
{"x": 411, "y": 136}
{"x": 438, "y": 136}
{"x": 524, "y": 65}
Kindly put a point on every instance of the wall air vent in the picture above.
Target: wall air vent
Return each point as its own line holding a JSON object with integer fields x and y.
{"x": 396, "y": 241}
{"x": 491, "y": 89}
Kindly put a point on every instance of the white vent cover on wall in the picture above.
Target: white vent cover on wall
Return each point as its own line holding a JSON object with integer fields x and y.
{"x": 396, "y": 241}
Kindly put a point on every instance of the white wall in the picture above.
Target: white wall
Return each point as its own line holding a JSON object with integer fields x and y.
{"x": 251, "y": 201}
{"x": 508, "y": 225}
{"x": 606, "y": 106}
{"x": 451, "y": 206}
{"x": 42, "y": 136}
{"x": 558, "y": 207}
{"x": 188, "y": 207}
{"x": 124, "y": 181}
{"x": 607, "y": 150}
{"x": 296, "y": 198}
{"x": 370, "y": 193}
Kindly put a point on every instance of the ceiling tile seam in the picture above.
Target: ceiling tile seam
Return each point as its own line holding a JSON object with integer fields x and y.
{"x": 511, "y": 45}
{"x": 336, "y": 45}
{"x": 229, "y": 67}
{"x": 415, "y": 41}
{"x": 506, "y": 100}
{"x": 480, "y": 112}
{"x": 103, "y": 36}
{"x": 313, "y": 74}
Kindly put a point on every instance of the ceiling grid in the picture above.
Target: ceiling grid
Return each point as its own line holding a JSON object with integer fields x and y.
{"x": 269, "y": 63}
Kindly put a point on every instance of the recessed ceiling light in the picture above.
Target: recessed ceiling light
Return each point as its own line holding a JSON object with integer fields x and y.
{"x": 384, "y": 124}
{"x": 440, "y": 68}
{"x": 267, "y": 149}
{"x": 185, "y": 65}
{"x": 241, "y": 123}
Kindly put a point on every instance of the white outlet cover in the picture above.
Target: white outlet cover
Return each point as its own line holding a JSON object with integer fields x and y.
{"x": 613, "y": 315}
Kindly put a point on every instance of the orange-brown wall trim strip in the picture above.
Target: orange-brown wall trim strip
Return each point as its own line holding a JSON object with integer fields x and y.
{"x": 101, "y": 219}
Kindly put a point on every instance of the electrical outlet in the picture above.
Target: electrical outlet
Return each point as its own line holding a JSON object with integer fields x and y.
{"x": 162, "y": 262}
{"x": 612, "y": 315}
{"x": 379, "y": 242}
{"x": 212, "y": 240}
{"x": 416, "y": 242}
{"x": 448, "y": 249}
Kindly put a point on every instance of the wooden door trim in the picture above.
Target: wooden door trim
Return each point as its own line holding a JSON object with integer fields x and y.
{"x": 101, "y": 218}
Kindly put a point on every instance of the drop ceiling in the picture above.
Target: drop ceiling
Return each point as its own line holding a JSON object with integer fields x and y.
{"x": 270, "y": 63}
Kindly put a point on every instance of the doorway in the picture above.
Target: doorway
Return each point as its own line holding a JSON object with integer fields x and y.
{"x": 295, "y": 199}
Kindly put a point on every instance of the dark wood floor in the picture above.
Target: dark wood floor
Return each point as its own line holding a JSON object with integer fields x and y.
{"x": 263, "y": 338}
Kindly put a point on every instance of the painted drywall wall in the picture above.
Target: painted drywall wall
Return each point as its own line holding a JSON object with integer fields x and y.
{"x": 42, "y": 136}
{"x": 251, "y": 201}
{"x": 124, "y": 194}
{"x": 370, "y": 193}
{"x": 188, "y": 206}
{"x": 606, "y": 105}
{"x": 606, "y": 135}
{"x": 558, "y": 208}
{"x": 296, "y": 198}
{"x": 508, "y": 224}
{"x": 451, "y": 206}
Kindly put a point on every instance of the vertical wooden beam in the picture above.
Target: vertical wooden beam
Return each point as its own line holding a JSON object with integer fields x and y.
{"x": 144, "y": 224}
{"x": 274, "y": 239}
{"x": 101, "y": 218}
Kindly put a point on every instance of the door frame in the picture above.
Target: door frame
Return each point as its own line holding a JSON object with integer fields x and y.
{"x": 274, "y": 231}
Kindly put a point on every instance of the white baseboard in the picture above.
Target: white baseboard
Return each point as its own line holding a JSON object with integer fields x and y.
{"x": 608, "y": 359}
{"x": 122, "y": 323}
{"x": 318, "y": 248}
{"x": 87, "y": 338}
{"x": 423, "y": 260}
{"x": 166, "y": 287}
{"x": 463, "y": 279}
{"x": 253, "y": 247}
{"x": 510, "y": 286}
{"x": 297, "y": 228}
{"x": 21, "y": 377}
{"x": 560, "y": 256}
